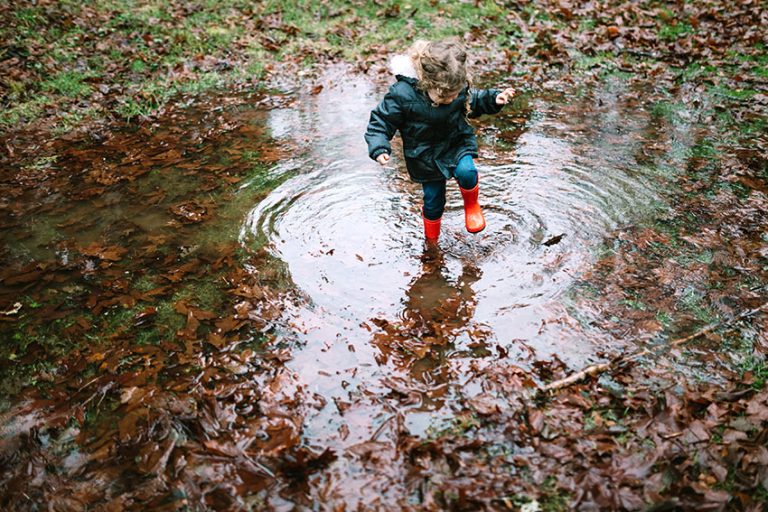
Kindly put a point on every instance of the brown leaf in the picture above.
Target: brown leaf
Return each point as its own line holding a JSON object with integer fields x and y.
{"x": 217, "y": 340}
{"x": 109, "y": 253}
{"x": 191, "y": 212}
{"x": 228, "y": 324}
{"x": 128, "y": 424}
{"x": 613, "y": 31}
{"x": 485, "y": 404}
{"x": 732, "y": 436}
{"x": 154, "y": 457}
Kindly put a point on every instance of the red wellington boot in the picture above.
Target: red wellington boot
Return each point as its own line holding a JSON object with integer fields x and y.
{"x": 473, "y": 215}
{"x": 431, "y": 228}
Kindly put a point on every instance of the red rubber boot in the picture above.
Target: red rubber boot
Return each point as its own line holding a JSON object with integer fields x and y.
{"x": 431, "y": 228}
{"x": 473, "y": 215}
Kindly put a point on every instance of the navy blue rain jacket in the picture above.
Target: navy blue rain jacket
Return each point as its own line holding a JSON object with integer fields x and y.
{"x": 435, "y": 138}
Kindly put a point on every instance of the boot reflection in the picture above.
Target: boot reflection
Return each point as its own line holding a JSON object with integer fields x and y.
{"x": 437, "y": 312}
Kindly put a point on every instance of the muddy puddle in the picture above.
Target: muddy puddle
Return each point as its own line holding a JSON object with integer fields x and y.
{"x": 384, "y": 313}
{"x": 382, "y": 335}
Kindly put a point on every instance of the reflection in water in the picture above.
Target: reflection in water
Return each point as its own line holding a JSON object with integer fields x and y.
{"x": 436, "y": 311}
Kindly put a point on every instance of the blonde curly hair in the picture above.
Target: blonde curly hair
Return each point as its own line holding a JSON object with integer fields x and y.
{"x": 441, "y": 66}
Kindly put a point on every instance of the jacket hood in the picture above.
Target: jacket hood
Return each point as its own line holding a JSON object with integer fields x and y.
{"x": 402, "y": 66}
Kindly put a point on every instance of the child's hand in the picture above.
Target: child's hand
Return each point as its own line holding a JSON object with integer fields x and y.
{"x": 504, "y": 96}
{"x": 383, "y": 159}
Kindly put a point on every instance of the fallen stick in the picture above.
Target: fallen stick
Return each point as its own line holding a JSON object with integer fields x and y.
{"x": 521, "y": 24}
{"x": 591, "y": 371}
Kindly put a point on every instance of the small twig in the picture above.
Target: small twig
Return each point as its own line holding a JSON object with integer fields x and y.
{"x": 258, "y": 465}
{"x": 15, "y": 309}
{"x": 596, "y": 369}
{"x": 381, "y": 427}
{"x": 521, "y": 24}
{"x": 88, "y": 384}
{"x": 576, "y": 377}
{"x": 639, "y": 53}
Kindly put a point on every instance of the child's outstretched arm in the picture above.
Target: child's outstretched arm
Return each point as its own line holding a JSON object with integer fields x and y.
{"x": 385, "y": 120}
{"x": 489, "y": 101}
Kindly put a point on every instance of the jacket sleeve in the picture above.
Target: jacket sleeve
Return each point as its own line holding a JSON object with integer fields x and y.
{"x": 385, "y": 120}
{"x": 483, "y": 101}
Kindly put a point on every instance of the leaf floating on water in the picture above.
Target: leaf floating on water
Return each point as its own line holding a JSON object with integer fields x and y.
{"x": 485, "y": 404}
{"x": 190, "y": 212}
{"x": 554, "y": 240}
{"x": 303, "y": 462}
{"x": 108, "y": 253}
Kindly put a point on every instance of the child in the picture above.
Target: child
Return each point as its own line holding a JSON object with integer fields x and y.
{"x": 429, "y": 104}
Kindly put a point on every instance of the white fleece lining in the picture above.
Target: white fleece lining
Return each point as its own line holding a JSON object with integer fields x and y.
{"x": 402, "y": 65}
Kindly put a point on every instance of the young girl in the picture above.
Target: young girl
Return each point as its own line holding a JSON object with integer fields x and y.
{"x": 430, "y": 104}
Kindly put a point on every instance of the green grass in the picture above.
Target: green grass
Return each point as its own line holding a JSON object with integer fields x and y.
{"x": 634, "y": 302}
{"x": 695, "y": 70}
{"x": 600, "y": 59}
{"x": 68, "y": 83}
{"x": 153, "y": 94}
{"x": 756, "y": 126}
{"x": 23, "y": 112}
{"x": 756, "y": 366}
{"x": 457, "y": 426}
{"x": 132, "y": 108}
{"x": 685, "y": 258}
{"x": 704, "y": 149}
{"x": 671, "y": 27}
{"x": 147, "y": 40}
{"x": 667, "y": 110}
{"x": 761, "y": 71}
{"x": 75, "y": 118}
{"x": 552, "y": 498}
{"x": 670, "y": 32}
{"x": 694, "y": 302}
{"x": 740, "y": 346}
{"x": 204, "y": 294}
{"x": 733, "y": 94}
{"x": 664, "y": 318}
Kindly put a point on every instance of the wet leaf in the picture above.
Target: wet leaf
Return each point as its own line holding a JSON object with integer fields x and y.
{"x": 191, "y": 212}
{"x": 108, "y": 253}
{"x": 554, "y": 240}
{"x": 485, "y": 404}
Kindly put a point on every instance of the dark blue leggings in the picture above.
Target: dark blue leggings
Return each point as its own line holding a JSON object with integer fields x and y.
{"x": 434, "y": 191}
